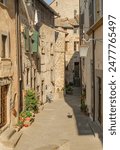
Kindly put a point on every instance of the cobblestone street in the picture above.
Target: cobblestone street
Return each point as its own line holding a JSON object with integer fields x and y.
{"x": 52, "y": 127}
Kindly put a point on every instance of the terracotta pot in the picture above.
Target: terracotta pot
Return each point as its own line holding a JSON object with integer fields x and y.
{"x": 26, "y": 125}
{"x": 27, "y": 119}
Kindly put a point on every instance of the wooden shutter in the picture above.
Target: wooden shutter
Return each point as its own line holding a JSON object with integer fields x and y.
{"x": 35, "y": 40}
{"x": 27, "y": 39}
{"x": 91, "y": 13}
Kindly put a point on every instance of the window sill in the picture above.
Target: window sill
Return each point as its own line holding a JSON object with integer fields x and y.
{"x": 5, "y": 59}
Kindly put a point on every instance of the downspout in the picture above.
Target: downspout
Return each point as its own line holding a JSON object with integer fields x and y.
{"x": 80, "y": 57}
{"x": 18, "y": 54}
{"x": 93, "y": 56}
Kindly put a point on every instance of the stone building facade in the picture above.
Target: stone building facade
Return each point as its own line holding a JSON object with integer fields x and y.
{"x": 27, "y": 57}
{"x": 59, "y": 63}
{"x": 37, "y": 19}
{"x": 69, "y": 23}
{"x": 91, "y": 25}
{"x": 9, "y": 95}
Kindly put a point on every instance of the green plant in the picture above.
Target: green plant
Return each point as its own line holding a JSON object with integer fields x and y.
{"x": 20, "y": 123}
{"x": 68, "y": 89}
{"x": 25, "y": 114}
{"x": 83, "y": 107}
{"x": 31, "y": 102}
{"x": 28, "y": 114}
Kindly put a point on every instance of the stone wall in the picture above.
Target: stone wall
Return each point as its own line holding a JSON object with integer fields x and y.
{"x": 59, "y": 64}
{"x": 66, "y": 8}
{"x": 8, "y": 62}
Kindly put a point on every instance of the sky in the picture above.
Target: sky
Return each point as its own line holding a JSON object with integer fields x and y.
{"x": 48, "y": 1}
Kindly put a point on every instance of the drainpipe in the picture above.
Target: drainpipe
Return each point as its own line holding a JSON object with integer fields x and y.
{"x": 80, "y": 57}
{"x": 18, "y": 54}
{"x": 93, "y": 56}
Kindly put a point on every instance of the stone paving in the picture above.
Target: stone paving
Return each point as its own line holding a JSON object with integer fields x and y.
{"x": 52, "y": 127}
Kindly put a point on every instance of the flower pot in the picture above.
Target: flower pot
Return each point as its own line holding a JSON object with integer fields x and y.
{"x": 27, "y": 119}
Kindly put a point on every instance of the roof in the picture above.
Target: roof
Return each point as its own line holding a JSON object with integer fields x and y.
{"x": 66, "y": 23}
{"x": 48, "y": 7}
{"x": 52, "y": 2}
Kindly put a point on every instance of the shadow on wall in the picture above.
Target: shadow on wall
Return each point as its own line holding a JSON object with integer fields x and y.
{"x": 84, "y": 125}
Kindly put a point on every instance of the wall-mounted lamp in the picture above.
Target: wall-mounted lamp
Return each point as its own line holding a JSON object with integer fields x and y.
{"x": 83, "y": 50}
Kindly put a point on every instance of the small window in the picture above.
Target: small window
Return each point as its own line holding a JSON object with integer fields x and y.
{"x": 52, "y": 75}
{"x": 27, "y": 80}
{"x": 4, "y": 46}
{"x": 56, "y": 3}
{"x": 75, "y": 30}
{"x": 51, "y": 48}
{"x": 34, "y": 79}
{"x": 76, "y": 44}
{"x": 75, "y": 13}
{"x": 66, "y": 45}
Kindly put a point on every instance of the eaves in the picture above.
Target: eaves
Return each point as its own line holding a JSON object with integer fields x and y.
{"x": 95, "y": 26}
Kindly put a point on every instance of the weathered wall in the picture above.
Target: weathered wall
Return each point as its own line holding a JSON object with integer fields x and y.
{"x": 59, "y": 64}
{"x": 66, "y": 7}
{"x": 8, "y": 65}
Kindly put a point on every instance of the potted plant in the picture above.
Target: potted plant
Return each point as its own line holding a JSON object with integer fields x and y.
{"x": 31, "y": 102}
{"x": 69, "y": 89}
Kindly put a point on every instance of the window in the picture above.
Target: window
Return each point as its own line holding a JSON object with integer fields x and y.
{"x": 51, "y": 48}
{"x": 4, "y": 38}
{"x": 75, "y": 46}
{"x": 27, "y": 80}
{"x": 98, "y": 9}
{"x": 81, "y": 24}
{"x": 3, "y": 1}
{"x": 4, "y": 46}
{"x": 56, "y": 3}
{"x": 91, "y": 13}
{"x": 76, "y": 43}
{"x": 66, "y": 45}
{"x": 34, "y": 79}
{"x": 52, "y": 75}
{"x": 75, "y": 30}
{"x": 75, "y": 13}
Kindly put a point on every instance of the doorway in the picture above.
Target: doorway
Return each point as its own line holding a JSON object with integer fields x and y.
{"x": 3, "y": 105}
{"x": 42, "y": 91}
{"x": 100, "y": 100}
{"x": 76, "y": 77}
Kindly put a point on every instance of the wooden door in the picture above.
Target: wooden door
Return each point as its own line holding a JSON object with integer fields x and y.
{"x": 99, "y": 101}
{"x": 3, "y": 105}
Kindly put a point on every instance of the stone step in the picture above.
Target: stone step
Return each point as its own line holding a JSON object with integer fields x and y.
{"x": 6, "y": 135}
{"x": 12, "y": 142}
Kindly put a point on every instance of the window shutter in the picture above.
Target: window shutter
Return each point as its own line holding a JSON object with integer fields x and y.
{"x": 35, "y": 40}
{"x": 91, "y": 13}
{"x": 81, "y": 24}
{"x": 27, "y": 39}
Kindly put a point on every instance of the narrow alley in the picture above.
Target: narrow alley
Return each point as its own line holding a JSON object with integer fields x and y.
{"x": 53, "y": 128}
{"x": 51, "y": 75}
